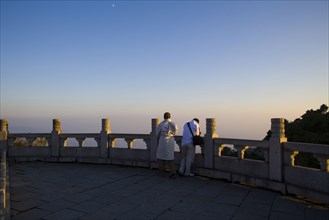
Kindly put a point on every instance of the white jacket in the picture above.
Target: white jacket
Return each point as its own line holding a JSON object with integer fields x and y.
{"x": 166, "y": 131}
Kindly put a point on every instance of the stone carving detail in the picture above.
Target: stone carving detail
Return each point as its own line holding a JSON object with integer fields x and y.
{"x": 106, "y": 125}
{"x": 57, "y": 125}
{"x": 3, "y": 125}
{"x": 277, "y": 128}
{"x": 155, "y": 122}
{"x": 211, "y": 125}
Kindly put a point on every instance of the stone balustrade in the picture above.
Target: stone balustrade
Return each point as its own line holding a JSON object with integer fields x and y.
{"x": 276, "y": 171}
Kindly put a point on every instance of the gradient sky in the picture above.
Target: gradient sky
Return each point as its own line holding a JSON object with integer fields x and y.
{"x": 241, "y": 62}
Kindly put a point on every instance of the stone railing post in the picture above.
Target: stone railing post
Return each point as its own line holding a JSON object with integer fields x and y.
{"x": 153, "y": 140}
{"x": 276, "y": 149}
{"x": 3, "y": 134}
{"x": 4, "y": 181}
{"x": 54, "y": 147}
{"x": 208, "y": 143}
{"x": 103, "y": 148}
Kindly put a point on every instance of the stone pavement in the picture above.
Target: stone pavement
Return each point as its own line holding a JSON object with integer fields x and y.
{"x": 62, "y": 191}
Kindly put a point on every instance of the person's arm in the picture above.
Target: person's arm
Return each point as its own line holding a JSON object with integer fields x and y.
{"x": 197, "y": 129}
{"x": 158, "y": 129}
{"x": 173, "y": 128}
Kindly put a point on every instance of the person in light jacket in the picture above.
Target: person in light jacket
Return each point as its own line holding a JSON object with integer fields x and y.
{"x": 165, "y": 132}
{"x": 188, "y": 148}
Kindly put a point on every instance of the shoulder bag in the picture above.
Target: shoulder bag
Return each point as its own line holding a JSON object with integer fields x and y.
{"x": 197, "y": 139}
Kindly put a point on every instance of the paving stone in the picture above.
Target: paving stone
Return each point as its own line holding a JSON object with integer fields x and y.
{"x": 260, "y": 196}
{"x": 250, "y": 216}
{"x": 283, "y": 215}
{"x": 88, "y": 207}
{"x": 89, "y": 191}
{"x": 210, "y": 216}
{"x": 224, "y": 210}
{"x": 228, "y": 199}
{"x": 289, "y": 206}
{"x": 111, "y": 211}
{"x": 65, "y": 214}
{"x": 26, "y": 195}
{"x": 25, "y": 204}
{"x": 173, "y": 215}
{"x": 138, "y": 214}
{"x": 31, "y": 214}
{"x": 48, "y": 197}
{"x": 256, "y": 208}
{"x": 108, "y": 198}
{"x": 317, "y": 212}
{"x": 78, "y": 197}
{"x": 56, "y": 205}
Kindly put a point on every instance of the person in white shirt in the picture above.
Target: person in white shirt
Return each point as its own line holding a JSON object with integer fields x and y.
{"x": 188, "y": 148}
{"x": 165, "y": 132}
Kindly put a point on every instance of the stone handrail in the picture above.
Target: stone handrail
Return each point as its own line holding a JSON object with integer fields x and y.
{"x": 277, "y": 171}
{"x": 129, "y": 138}
{"x": 241, "y": 145}
{"x": 80, "y": 138}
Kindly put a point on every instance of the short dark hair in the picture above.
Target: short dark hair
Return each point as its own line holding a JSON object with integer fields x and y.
{"x": 197, "y": 120}
{"x": 166, "y": 115}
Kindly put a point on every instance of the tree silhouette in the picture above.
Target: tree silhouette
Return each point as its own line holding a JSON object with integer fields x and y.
{"x": 311, "y": 127}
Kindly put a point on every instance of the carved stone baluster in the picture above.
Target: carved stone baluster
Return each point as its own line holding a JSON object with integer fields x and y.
{"x": 324, "y": 161}
{"x": 48, "y": 139}
{"x": 179, "y": 143}
{"x": 202, "y": 150}
{"x": 130, "y": 142}
{"x": 147, "y": 142}
{"x": 11, "y": 141}
{"x": 241, "y": 149}
{"x": 111, "y": 142}
{"x": 30, "y": 140}
{"x": 292, "y": 157}
{"x": 62, "y": 141}
{"x": 265, "y": 154}
{"x": 98, "y": 141}
{"x": 80, "y": 140}
{"x": 220, "y": 149}
{"x": 238, "y": 149}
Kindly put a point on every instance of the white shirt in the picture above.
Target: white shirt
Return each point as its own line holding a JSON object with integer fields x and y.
{"x": 187, "y": 136}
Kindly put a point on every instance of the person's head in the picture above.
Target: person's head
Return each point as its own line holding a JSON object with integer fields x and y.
{"x": 166, "y": 115}
{"x": 195, "y": 119}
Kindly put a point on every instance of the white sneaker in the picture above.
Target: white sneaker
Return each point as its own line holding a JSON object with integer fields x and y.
{"x": 191, "y": 174}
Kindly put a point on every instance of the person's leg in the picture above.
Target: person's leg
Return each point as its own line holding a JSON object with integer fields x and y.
{"x": 161, "y": 164}
{"x": 183, "y": 161}
{"x": 171, "y": 166}
{"x": 189, "y": 158}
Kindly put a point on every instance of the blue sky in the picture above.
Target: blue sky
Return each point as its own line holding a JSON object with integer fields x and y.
{"x": 241, "y": 62}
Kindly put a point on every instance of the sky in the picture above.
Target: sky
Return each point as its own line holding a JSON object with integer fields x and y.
{"x": 240, "y": 62}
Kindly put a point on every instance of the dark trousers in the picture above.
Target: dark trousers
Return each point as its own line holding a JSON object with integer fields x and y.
{"x": 170, "y": 165}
